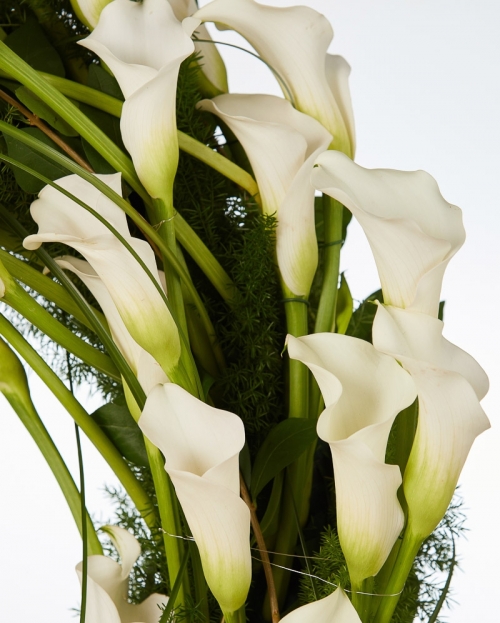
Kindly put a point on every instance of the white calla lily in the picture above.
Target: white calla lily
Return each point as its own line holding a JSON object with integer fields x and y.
{"x": 413, "y": 232}
{"x": 335, "y": 608}
{"x": 143, "y": 44}
{"x": 363, "y": 390}
{"x": 293, "y": 41}
{"x": 144, "y": 366}
{"x": 201, "y": 445}
{"x": 135, "y": 296}
{"x": 449, "y": 384}
{"x": 107, "y": 588}
{"x": 282, "y": 145}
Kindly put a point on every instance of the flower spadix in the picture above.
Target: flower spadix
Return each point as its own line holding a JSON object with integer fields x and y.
{"x": 449, "y": 384}
{"x": 293, "y": 41}
{"x": 143, "y": 44}
{"x": 282, "y": 145}
{"x": 144, "y": 366}
{"x": 363, "y": 391}
{"x": 201, "y": 446}
{"x": 107, "y": 588}
{"x": 413, "y": 232}
{"x": 134, "y": 294}
{"x": 336, "y": 608}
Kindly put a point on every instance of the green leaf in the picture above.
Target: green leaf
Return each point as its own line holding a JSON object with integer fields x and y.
{"x": 361, "y": 322}
{"x": 39, "y": 108}
{"x": 103, "y": 81}
{"x": 284, "y": 445}
{"x": 30, "y": 43}
{"x": 270, "y": 522}
{"x": 344, "y": 306}
{"x": 33, "y": 159}
{"x": 121, "y": 428}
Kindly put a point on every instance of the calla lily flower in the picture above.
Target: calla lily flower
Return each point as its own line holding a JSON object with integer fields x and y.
{"x": 281, "y": 144}
{"x": 211, "y": 62}
{"x": 144, "y": 366}
{"x": 135, "y": 296}
{"x": 107, "y": 588}
{"x": 89, "y": 11}
{"x": 449, "y": 384}
{"x": 201, "y": 446}
{"x": 363, "y": 391}
{"x": 144, "y": 44}
{"x": 413, "y": 232}
{"x": 293, "y": 41}
{"x": 336, "y": 608}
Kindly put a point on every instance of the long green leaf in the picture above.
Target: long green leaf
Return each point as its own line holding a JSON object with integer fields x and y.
{"x": 285, "y": 444}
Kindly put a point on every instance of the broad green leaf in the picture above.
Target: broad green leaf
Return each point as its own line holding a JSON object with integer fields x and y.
{"x": 270, "y": 522}
{"x": 39, "y": 108}
{"x": 120, "y": 427}
{"x": 284, "y": 444}
{"x": 30, "y": 43}
{"x": 103, "y": 81}
{"x": 31, "y": 158}
{"x": 344, "y": 306}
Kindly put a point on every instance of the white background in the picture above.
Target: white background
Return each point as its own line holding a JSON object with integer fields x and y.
{"x": 426, "y": 96}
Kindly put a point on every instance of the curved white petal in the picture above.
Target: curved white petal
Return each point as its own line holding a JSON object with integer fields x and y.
{"x": 134, "y": 294}
{"x": 281, "y": 144}
{"x": 336, "y": 608}
{"x": 449, "y": 384}
{"x": 363, "y": 391}
{"x": 412, "y": 230}
{"x": 419, "y": 336}
{"x": 100, "y": 606}
{"x": 201, "y": 446}
{"x": 338, "y": 71}
{"x": 293, "y": 41}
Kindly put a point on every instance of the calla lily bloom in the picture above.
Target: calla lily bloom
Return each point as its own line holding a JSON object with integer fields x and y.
{"x": 281, "y": 144}
{"x": 449, "y": 384}
{"x": 144, "y": 366}
{"x": 135, "y": 296}
{"x": 363, "y": 391}
{"x": 211, "y": 62}
{"x": 336, "y": 608}
{"x": 144, "y": 44}
{"x": 107, "y": 588}
{"x": 293, "y": 41}
{"x": 413, "y": 232}
{"x": 201, "y": 446}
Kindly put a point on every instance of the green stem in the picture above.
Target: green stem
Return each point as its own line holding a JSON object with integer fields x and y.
{"x": 45, "y": 286}
{"x": 106, "y": 448}
{"x": 235, "y": 617}
{"x": 23, "y": 303}
{"x": 361, "y": 600}
{"x": 28, "y": 415}
{"x": 402, "y": 567}
{"x": 172, "y": 601}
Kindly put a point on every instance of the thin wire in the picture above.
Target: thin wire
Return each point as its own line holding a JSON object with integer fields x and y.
{"x": 83, "y": 509}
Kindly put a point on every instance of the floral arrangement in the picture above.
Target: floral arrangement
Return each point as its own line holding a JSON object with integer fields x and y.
{"x": 283, "y": 456}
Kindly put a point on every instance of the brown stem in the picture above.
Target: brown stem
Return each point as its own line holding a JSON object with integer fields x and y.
{"x": 37, "y": 122}
{"x": 261, "y": 544}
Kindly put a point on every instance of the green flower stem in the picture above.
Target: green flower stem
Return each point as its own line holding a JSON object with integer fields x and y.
{"x": 325, "y": 318}
{"x": 26, "y": 411}
{"x": 22, "y": 302}
{"x": 361, "y": 601}
{"x": 188, "y": 144}
{"x": 235, "y": 617}
{"x": 45, "y": 286}
{"x": 298, "y": 474}
{"x": 169, "y": 515}
{"x": 402, "y": 567}
{"x": 194, "y": 246}
{"x": 133, "y": 487}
